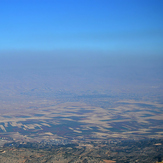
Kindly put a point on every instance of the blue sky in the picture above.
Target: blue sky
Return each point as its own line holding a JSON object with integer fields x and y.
{"x": 119, "y": 26}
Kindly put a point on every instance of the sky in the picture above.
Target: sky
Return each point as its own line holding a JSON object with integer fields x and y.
{"x": 109, "y": 26}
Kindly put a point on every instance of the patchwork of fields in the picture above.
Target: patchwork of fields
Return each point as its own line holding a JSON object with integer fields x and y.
{"x": 77, "y": 121}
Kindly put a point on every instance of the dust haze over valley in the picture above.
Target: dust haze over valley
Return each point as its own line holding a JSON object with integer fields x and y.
{"x": 97, "y": 95}
{"x": 79, "y": 99}
{"x": 80, "y": 73}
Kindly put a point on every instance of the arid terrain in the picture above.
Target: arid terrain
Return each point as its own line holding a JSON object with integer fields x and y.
{"x": 112, "y": 151}
{"x": 58, "y": 131}
{"x": 83, "y": 114}
{"x": 76, "y": 121}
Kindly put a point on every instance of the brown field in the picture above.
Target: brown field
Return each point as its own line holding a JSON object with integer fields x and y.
{"x": 49, "y": 120}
